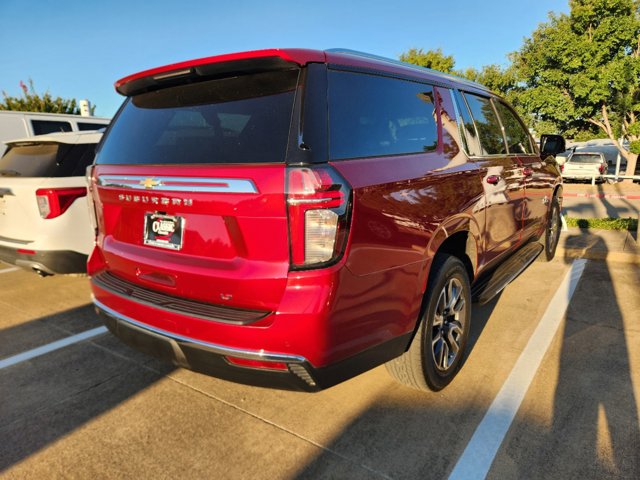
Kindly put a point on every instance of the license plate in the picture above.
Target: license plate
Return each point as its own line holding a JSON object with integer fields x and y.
{"x": 164, "y": 231}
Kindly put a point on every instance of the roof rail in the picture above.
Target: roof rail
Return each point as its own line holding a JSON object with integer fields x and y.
{"x": 391, "y": 61}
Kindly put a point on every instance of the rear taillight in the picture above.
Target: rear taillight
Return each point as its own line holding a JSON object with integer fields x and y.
{"x": 318, "y": 202}
{"x": 562, "y": 168}
{"x": 603, "y": 169}
{"x": 53, "y": 202}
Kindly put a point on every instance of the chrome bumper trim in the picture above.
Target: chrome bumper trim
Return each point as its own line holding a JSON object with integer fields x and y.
{"x": 211, "y": 347}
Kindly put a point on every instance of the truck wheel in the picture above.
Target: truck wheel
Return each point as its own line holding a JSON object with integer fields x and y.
{"x": 551, "y": 235}
{"x": 437, "y": 350}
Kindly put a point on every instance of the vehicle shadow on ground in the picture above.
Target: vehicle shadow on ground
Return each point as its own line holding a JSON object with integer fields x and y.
{"x": 594, "y": 430}
{"x": 406, "y": 433}
{"x": 45, "y": 398}
{"x": 38, "y": 332}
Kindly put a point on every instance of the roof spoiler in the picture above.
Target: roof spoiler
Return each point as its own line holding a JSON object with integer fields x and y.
{"x": 215, "y": 67}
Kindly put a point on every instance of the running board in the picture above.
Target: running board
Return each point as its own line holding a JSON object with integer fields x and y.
{"x": 492, "y": 284}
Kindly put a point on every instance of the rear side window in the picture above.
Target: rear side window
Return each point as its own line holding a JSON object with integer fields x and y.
{"x": 85, "y": 126}
{"x": 42, "y": 127}
{"x": 375, "y": 116}
{"x": 470, "y": 136}
{"x": 518, "y": 140}
{"x": 242, "y": 119}
{"x": 47, "y": 160}
{"x": 487, "y": 124}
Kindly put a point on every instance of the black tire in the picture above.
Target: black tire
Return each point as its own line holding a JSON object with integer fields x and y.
{"x": 438, "y": 348}
{"x": 551, "y": 235}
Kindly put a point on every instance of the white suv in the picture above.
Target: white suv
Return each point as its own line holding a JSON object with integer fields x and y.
{"x": 44, "y": 219}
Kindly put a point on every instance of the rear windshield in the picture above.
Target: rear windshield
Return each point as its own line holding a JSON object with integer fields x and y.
{"x": 582, "y": 158}
{"x": 47, "y": 160}
{"x": 243, "y": 119}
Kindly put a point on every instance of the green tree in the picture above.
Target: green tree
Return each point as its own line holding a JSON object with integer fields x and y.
{"x": 581, "y": 72}
{"x": 433, "y": 59}
{"x": 495, "y": 78}
{"x": 31, "y": 101}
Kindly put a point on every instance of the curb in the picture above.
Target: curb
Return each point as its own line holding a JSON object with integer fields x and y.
{"x": 589, "y": 254}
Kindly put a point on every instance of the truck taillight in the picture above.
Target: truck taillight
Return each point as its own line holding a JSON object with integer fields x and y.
{"x": 603, "y": 168}
{"x": 562, "y": 168}
{"x": 53, "y": 202}
{"x": 318, "y": 202}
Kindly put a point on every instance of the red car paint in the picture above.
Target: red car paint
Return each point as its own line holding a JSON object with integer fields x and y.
{"x": 236, "y": 247}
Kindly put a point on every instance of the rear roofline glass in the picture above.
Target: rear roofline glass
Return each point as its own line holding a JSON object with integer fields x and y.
{"x": 233, "y": 120}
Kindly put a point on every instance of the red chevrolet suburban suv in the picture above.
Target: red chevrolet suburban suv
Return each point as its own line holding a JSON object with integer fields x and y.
{"x": 292, "y": 218}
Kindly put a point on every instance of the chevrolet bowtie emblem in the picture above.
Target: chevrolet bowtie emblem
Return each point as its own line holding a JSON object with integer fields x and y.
{"x": 150, "y": 183}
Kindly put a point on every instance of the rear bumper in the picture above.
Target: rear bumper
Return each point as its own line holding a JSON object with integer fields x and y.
{"x": 582, "y": 177}
{"x": 47, "y": 261}
{"x": 210, "y": 359}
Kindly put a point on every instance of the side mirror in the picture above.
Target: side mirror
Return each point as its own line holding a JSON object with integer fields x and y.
{"x": 552, "y": 145}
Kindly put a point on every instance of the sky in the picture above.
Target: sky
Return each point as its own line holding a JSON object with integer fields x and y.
{"x": 79, "y": 48}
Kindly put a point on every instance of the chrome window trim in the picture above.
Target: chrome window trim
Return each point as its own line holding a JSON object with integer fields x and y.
{"x": 179, "y": 184}
{"x": 210, "y": 347}
{"x": 456, "y": 111}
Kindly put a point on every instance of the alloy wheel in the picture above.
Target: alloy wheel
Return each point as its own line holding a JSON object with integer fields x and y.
{"x": 448, "y": 325}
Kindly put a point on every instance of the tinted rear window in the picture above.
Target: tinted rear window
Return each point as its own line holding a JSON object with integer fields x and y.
{"x": 47, "y": 160}
{"x": 243, "y": 119}
{"x": 41, "y": 127}
{"x": 84, "y": 126}
{"x": 582, "y": 158}
{"x": 375, "y": 116}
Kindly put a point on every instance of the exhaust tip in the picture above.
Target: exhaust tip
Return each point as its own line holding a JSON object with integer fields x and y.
{"x": 41, "y": 273}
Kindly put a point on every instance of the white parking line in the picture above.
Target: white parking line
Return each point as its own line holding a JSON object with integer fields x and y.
{"x": 477, "y": 458}
{"x": 7, "y": 270}
{"x": 50, "y": 347}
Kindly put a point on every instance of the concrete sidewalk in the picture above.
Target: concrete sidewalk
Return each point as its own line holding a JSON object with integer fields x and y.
{"x": 610, "y": 245}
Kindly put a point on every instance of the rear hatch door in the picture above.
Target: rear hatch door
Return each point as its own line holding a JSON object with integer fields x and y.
{"x": 190, "y": 190}
{"x": 27, "y": 167}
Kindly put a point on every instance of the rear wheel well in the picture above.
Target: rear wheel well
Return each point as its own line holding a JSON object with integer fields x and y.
{"x": 558, "y": 193}
{"x": 458, "y": 246}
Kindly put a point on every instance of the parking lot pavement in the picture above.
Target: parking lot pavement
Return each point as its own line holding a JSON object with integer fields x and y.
{"x": 97, "y": 408}
{"x": 619, "y": 200}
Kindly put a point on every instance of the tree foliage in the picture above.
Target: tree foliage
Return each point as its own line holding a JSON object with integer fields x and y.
{"x": 581, "y": 72}
{"x": 493, "y": 76}
{"x": 501, "y": 80}
{"x": 433, "y": 59}
{"x": 31, "y": 101}
{"x": 578, "y": 74}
